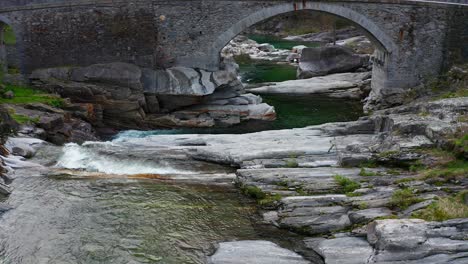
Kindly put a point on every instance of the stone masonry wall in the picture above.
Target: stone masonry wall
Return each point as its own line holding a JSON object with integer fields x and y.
{"x": 415, "y": 39}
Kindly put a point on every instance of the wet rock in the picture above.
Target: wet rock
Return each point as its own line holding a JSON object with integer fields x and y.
{"x": 259, "y": 252}
{"x": 5, "y": 189}
{"x": 24, "y": 147}
{"x": 367, "y": 215}
{"x": 327, "y": 60}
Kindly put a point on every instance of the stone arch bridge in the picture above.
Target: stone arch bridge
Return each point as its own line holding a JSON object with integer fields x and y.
{"x": 416, "y": 40}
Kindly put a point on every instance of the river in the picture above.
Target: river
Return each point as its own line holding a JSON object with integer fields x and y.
{"x": 93, "y": 204}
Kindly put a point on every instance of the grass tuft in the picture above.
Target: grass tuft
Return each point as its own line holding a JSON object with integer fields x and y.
{"x": 445, "y": 209}
{"x": 347, "y": 185}
{"x": 25, "y": 95}
{"x": 404, "y": 198}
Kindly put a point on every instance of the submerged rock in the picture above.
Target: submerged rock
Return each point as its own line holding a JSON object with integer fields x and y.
{"x": 258, "y": 252}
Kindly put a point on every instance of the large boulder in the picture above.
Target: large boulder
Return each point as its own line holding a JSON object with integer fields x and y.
{"x": 326, "y": 60}
{"x": 258, "y": 252}
{"x": 413, "y": 239}
{"x": 339, "y": 85}
{"x": 122, "y": 74}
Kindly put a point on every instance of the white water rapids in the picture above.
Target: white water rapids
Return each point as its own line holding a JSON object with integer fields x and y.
{"x": 89, "y": 158}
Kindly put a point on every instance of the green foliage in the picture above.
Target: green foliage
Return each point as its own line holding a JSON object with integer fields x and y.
{"x": 262, "y": 198}
{"x": 416, "y": 166}
{"x": 444, "y": 209}
{"x": 22, "y": 119}
{"x": 9, "y": 36}
{"x": 366, "y": 173}
{"x": 292, "y": 163}
{"x": 454, "y": 94}
{"x": 25, "y": 95}
{"x": 363, "y": 205}
{"x": 404, "y": 198}
{"x": 369, "y": 164}
{"x": 452, "y": 171}
{"x": 462, "y": 142}
{"x": 254, "y": 192}
{"x": 347, "y": 185}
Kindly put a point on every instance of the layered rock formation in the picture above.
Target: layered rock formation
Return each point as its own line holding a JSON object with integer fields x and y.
{"x": 122, "y": 95}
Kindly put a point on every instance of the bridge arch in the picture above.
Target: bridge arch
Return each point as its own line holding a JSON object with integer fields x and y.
{"x": 378, "y": 37}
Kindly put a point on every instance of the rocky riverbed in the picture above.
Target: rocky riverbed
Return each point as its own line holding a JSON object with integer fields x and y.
{"x": 341, "y": 185}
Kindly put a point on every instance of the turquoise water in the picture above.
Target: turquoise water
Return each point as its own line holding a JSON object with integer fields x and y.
{"x": 292, "y": 112}
{"x": 266, "y": 71}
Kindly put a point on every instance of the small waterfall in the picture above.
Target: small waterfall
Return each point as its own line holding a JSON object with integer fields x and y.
{"x": 89, "y": 157}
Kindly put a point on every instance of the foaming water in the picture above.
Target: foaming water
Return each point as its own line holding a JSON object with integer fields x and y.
{"x": 89, "y": 157}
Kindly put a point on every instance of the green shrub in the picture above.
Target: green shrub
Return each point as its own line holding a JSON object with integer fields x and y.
{"x": 292, "y": 163}
{"x": 404, "y": 198}
{"x": 347, "y": 185}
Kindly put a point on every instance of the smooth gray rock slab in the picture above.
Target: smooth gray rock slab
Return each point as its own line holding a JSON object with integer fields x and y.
{"x": 24, "y": 147}
{"x": 414, "y": 239}
{"x": 367, "y": 215}
{"x": 254, "y": 252}
{"x": 334, "y": 85}
{"x": 349, "y": 250}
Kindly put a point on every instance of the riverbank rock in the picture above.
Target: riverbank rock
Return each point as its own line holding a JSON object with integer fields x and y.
{"x": 124, "y": 96}
{"x": 399, "y": 241}
{"x": 326, "y": 60}
{"x": 243, "y": 46}
{"x": 24, "y": 147}
{"x": 414, "y": 239}
{"x": 340, "y": 85}
{"x": 51, "y": 124}
{"x": 258, "y": 252}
